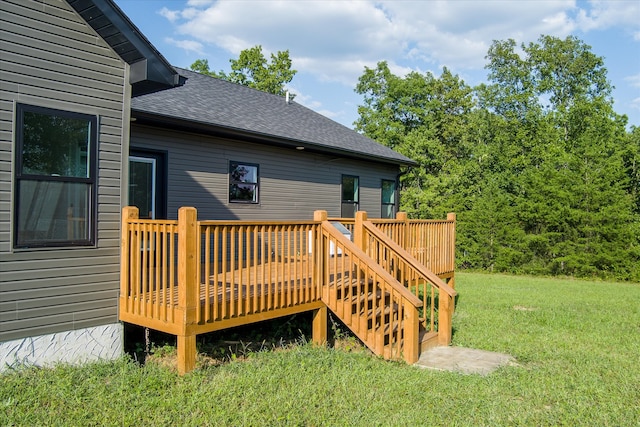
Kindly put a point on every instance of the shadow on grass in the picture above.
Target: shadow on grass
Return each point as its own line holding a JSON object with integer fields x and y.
{"x": 141, "y": 343}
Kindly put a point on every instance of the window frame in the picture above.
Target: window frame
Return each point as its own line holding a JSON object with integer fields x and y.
{"x": 256, "y": 184}
{"x": 161, "y": 177}
{"x": 91, "y": 181}
{"x": 383, "y": 213}
{"x": 355, "y": 203}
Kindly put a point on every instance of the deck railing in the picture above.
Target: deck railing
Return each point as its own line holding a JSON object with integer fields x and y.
{"x": 430, "y": 242}
{"x": 436, "y": 296}
{"x": 378, "y": 309}
{"x": 188, "y": 277}
{"x": 254, "y": 267}
{"x": 148, "y": 270}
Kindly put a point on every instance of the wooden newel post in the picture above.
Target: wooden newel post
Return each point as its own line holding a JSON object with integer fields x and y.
{"x": 359, "y": 236}
{"x": 128, "y": 264}
{"x": 404, "y": 240}
{"x": 451, "y": 248}
{"x": 411, "y": 330}
{"x": 319, "y": 324}
{"x": 445, "y": 312}
{"x": 188, "y": 286}
{"x": 320, "y": 215}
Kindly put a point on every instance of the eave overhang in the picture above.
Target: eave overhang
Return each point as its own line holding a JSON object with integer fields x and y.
{"x": 149, "y": 70}
{"x": 169, "y": 122}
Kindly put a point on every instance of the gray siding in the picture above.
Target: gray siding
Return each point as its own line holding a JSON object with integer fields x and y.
{"x": 50, "y": 57}
{"x": 292, "y": 183}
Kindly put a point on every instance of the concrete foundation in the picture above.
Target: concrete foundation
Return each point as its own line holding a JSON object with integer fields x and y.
{"x": 73, "y": 347}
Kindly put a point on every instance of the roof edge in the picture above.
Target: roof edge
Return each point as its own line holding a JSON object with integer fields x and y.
{"x": 144, "y": 117}
{"x": 150, "y": 71}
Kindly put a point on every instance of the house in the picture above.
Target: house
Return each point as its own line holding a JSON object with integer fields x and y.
{"x": 94, "y": 119}
{"x": 200, "y": 134}
{"x": 68, "y": 71}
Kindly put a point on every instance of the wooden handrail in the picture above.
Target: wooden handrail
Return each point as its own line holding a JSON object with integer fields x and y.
{"x": 420, "y": 272}
{"x": 327, "y": 226}
{"x": 430, "y": 241}
{"x": 411, "y": 261}
{"x": 368, "y": 299}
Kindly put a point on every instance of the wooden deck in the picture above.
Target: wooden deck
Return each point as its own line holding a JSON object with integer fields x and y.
{"x": 189, "y": 277}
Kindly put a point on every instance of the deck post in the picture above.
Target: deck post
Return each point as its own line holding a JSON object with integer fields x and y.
{"x": 451, "y": 245}
{"x": 188, "y": 287}
{"x": 411, "y": 333}
{"x": 320, "y": 216}
{"x": 126, "y": 266}
{"x": 406, "y": 238}
{"x": 445, "y": 311}
{"x": 359, "y": 236}
{"x": 319, "y": 334}
{"x": 319, "y": 261}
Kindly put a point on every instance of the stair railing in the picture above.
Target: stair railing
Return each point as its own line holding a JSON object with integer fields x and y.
{"x": 378, "y": 309}
{"x": 419, "y": 280}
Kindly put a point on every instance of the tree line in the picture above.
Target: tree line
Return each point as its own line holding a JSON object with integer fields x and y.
{"x": 543, "y": 174}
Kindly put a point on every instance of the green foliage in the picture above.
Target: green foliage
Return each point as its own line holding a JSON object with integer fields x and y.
{"x": 254, "y": 70}
{"x": 631, "y": 158}
{"x": 576, "y": 361}
{"x": 539, "y": 168}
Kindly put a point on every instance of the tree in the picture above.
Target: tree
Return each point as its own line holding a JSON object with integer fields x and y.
{"x": 423, "y": 117}
{"x": 536, "y": 163}
{"x": 569, "y": 188}
{"x": 253, "y": 70}
{"x": 631, "y": 158}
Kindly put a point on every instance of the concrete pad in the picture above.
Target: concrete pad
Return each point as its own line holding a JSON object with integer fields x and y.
{"x": 463, "y": 360}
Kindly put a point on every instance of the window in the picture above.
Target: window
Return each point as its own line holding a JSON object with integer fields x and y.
{"x": 147, "y": 182}
{"x": 388, "y": 199}
{"x": 243, "y": 182}
{"x": 350, "y": 196}
{"x": 142, "y": 185}
{"x": 55, "y": 178}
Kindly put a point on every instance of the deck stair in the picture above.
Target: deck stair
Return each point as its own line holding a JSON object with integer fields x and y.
{"x": 366, "y": 308}
{"x": 383, "y": 295}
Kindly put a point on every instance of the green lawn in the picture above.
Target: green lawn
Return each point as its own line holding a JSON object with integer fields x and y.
{"x": 577, "y": 344}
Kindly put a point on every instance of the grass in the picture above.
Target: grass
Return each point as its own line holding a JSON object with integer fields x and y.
{"x": 577, "y": 344}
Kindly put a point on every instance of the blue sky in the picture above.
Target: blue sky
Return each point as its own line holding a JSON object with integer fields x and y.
{"x": 330, "y": 42}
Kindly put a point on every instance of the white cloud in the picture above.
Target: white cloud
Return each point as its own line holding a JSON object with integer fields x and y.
{"x": 334, "y": 40}
{"x": 635, "y": 104}
{"x": 200, "y": 3}
{"x": 633, "y": 80}
{"x": 606, "y": 14}
{"x": 187, "y": 45}
{"x": 171, "y": 15}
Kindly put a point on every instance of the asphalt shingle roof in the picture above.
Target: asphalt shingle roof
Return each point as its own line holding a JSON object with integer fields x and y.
{"x": 217, "y": 103}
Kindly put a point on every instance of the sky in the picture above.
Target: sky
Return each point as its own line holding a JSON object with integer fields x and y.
{"x": 331, "y": 42}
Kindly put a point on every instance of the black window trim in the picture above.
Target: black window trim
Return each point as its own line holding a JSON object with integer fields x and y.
{"x": 257, "y": 183}
{"x": 355, "y": 203}
{"x": 395, "y": 195}
{"x": 92, "y": 151}
{"x": 162, "y": 175}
